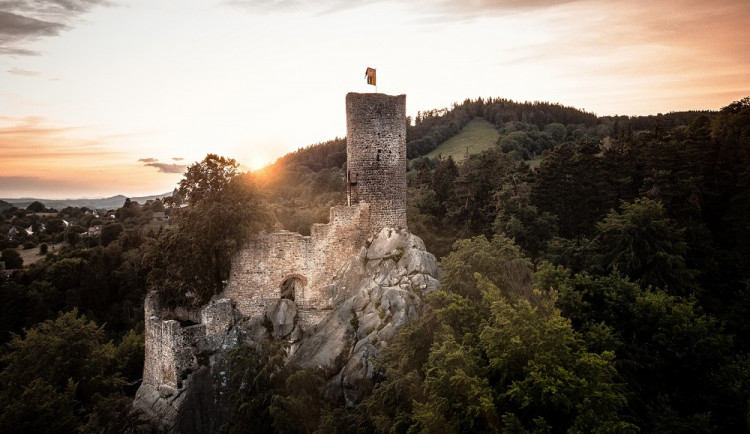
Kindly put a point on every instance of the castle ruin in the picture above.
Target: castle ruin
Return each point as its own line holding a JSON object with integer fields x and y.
{"x": 286, "y": 265}
{"x": 302, "y": 268}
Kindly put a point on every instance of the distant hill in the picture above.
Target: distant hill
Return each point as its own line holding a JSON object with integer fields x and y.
{"x": 58, "y": 204}
{"x": 474, "y": 138}
{"x": 431, "y": 129}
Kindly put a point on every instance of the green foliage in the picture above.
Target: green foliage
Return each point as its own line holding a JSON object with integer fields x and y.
{"x": 267, "y": 395}
{"x": 644, "y": 295}
{"x": 12, "y": 258}
{"x": 572, "y": 184}
{"x": 192, "y": 258}
{"x": 54, "y": 374}
{"x": 207, "y": 180}
{"x": 519, "y": 219}
{"x": 474, "y": 137}
{"x": 526, "y": 144}
{"x": 499, "y": 260}
{"x": 297, "y": 408}
{"x": 55, "y": 226}
{"x": 110, "y": 233}
{"x": 472, "y": 208}
{"x": 297, "y": 195}
{"x": 130, "y": 354}
{"x": 434, "y": 127}
{"x": 645, "y": 244}
{"x": 667, "y": 349}
{"x": 41, "y": 408}
{"x": 545, "y": 369}
{"x": 36, "y": 206}
{"x": 490, "y": 357}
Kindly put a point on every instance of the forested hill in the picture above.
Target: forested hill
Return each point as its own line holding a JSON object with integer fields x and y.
{"x": 302, "y": 185}
{"x": 537, "y": 126}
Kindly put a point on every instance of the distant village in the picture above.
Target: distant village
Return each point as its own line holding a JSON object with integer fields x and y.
{"x": 29, "y": 233}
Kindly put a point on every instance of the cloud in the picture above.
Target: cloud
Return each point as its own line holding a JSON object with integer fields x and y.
{"x": 164, "y": 167}
{"x": 311, "y": 6}
{"x": 168, "y": 168}
{"x": 448, "y": 10}
{"x": 177, "y": 158}
{"x": 23, "y": 21}
{"x": 31, "y": 142}
{"x": 23, "y": 72}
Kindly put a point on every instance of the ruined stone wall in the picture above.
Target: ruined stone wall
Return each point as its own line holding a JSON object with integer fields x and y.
{"x": 376, "y": 156}
{"x": 267, "y": 260}
{"x": 168, "y": 347}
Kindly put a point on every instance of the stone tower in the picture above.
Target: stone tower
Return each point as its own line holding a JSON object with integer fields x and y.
{"x": 376, "y": 156}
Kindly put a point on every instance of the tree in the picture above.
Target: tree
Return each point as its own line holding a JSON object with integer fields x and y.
{"x": 54, "y": 374}
{"x": 645, "y": 244}
{"x": 254, "y": 377}
{"x": 130, "y": 210}
{"x": 207, "y": 180}
{"x": 572, "y": 184}
{"x": 518, "y": 219}
{"x": 12, "y": 258}
{"x": 490, "y": 357}
{"x": 55, "y": 226}
{"x": 192, "y": 258}
{"x": 110, "y": 232}
{"x": 499, "y": 260}
{"x": 473, "y": 207}
{"x": 669, "y": 353}
{"x": 36, "y": 206}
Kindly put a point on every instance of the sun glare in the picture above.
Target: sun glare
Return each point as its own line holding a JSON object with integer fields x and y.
{"x": 257, "y": 163}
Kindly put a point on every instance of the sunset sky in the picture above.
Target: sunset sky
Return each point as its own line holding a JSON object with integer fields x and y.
{"x": 99, "y": 97}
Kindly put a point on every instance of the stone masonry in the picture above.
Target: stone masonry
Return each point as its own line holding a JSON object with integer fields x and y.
{"x": 261, "y": 269}
{"x": 376, "y": 156}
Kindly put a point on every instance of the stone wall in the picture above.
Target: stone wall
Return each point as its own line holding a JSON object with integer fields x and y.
{"x": 376, "y": 156}
{"x": 261, "y": 267}
{"x": 168, "y": 347}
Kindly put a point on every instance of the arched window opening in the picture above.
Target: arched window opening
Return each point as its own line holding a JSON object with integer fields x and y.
{"x": 289, "y": 287}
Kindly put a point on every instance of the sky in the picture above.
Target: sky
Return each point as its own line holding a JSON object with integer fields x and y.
{"x": 106, "y": 97}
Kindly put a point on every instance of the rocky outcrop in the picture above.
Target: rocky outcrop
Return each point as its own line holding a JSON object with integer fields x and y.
{"x": 374, "y": 294}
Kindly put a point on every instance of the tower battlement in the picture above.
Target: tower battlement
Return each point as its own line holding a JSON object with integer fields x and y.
{"x": 376, "y": 156}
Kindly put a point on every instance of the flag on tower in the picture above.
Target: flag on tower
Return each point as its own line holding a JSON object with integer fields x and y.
{"x": 370, "y": 74}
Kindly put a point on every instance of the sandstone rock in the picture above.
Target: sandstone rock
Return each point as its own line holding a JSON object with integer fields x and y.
{"x": 388, "y": 242}
{"x": 282, "y": 316}
{"x": 218, "y": 316}
{"x": 375, "y": 293}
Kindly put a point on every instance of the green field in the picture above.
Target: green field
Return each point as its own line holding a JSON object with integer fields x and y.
{"x": 477, "y": 136}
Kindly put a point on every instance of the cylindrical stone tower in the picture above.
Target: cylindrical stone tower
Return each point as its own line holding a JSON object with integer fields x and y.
{"x": 376, "y": 156}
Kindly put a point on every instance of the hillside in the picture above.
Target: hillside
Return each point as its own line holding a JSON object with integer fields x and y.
{"x": 474, "y": 138}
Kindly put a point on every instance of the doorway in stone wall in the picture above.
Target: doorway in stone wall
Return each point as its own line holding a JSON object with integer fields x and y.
{"x": 290, "y": 286}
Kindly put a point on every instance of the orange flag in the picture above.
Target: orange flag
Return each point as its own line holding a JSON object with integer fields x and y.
{"x": 370, "y": 74}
